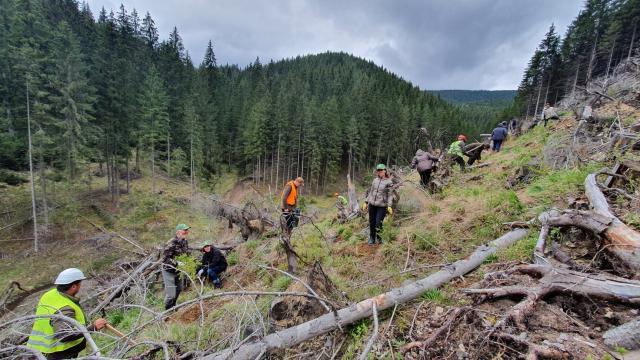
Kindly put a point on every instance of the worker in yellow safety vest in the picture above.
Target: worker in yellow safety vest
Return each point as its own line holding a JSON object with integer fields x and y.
{"x": 55, "y": 337}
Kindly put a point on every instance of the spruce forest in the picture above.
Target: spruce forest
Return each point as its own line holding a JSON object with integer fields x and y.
{"x": 604, "y": 34}
{"x": 111, "y": 90}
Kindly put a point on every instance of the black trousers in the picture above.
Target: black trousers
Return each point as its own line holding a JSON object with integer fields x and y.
{"x": 376, "y": 217}
{"x": 460, "y": 161}
{"x": 425, "y": 176}
{"x": 289, "y": 221}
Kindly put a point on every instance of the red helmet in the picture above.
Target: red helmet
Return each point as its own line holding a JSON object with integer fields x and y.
{"x": 462, "y": 137}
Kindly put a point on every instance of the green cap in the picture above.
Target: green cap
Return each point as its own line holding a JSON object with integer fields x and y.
{"x": 182, "y": 227}
{"x": 206, "y": 243}
{"x": 381, "y": 167}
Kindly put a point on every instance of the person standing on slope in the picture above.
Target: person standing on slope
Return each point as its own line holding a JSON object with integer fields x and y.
{"x": 424, "y": 163}
{"x": 456, "y": 150}
{"x": 289, "y": 202}
{"x": 54, "y": 337}
{"x": 378, "y": 201}
{"x": 498, "y": 135}
{"x": 170, "y": 275}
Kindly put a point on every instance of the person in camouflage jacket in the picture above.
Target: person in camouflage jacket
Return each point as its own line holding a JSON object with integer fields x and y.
{"x": 170, "y": 275}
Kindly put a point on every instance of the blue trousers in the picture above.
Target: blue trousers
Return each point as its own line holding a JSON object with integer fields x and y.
{"x": 497, "y": 144}
{"x": 213, "y": 272}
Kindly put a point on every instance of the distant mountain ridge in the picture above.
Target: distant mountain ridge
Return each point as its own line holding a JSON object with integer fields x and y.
{"x": 475, "y": 96}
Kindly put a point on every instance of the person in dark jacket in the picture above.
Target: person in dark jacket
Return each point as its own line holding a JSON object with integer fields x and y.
{"x": 379, "y": 198}
{"x": 498, "y": 135}
{"x": 170, "y": 275}
{"x": 424, "y": 163}
{"x": 213, "y": 264}
{"x": 474, "y": 151}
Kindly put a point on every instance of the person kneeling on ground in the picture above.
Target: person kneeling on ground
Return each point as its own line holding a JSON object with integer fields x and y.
{"x": 379, "y": 198}
{"x": 54, "y": 337}
{"x": 424, "y": 162}
{"x": 474, "y": 151}
{"x": 456, "y": 150}
{"x": 213, "y": 264}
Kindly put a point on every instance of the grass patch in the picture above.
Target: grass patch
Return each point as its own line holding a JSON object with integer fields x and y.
{"x": 520, "y": 251}
{"x": 436, "y": 296}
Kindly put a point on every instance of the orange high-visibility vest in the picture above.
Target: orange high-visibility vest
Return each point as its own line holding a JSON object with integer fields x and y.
{"x": 293, "y": 195}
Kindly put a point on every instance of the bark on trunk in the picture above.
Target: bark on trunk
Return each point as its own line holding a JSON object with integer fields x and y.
{"x": 327, "y": 322}
{"x": 619, "y": 239}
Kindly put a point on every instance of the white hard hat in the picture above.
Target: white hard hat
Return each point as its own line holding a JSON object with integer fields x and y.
{"x": 68, "y": 276}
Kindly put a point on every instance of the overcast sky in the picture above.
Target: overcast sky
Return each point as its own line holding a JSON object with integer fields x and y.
{"x": 435, "y": 44}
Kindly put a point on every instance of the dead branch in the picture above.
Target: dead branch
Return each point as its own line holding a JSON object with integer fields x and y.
{"x": 559, "y": 281}
{"x": 535, "y": 350}
{"x": 147, "y": 264}
{"x": 37, "y": 354}
{"x": 327, "y": 322}
{"x": 113, "y": 233}
{"x": 325, "y": 303}
{"x": 66, "y": 319}
{"x": 446, "y": 326}
{"x": 374, "y": 336}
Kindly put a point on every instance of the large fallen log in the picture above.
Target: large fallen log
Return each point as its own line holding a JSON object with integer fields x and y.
{"x": 329, "y": 321}
{"x": 626, "y": 335}
{"x": 619, "y": 240}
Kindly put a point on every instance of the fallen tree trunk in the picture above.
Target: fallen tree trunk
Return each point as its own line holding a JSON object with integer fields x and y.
{"x": 327, "y": 322}
{"x": 251, "y": 221}
{"x": 619, "y": 240}
{"x": 626, "y": 335}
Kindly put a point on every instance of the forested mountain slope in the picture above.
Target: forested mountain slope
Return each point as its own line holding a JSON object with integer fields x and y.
{"x": 487, "y": 97}
{"x": 111, "y": 90}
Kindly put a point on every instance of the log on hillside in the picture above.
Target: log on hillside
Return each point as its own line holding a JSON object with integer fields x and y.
{"x": 327, "y": 322}
{"x": 626, "y": 335}
{"x": 620, "y": 240}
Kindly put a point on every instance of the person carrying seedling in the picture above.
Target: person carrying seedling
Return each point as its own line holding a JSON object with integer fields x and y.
{"x": 378, "y": 201}
{"x": 55, "y": 337}
{"x": 456, "y": 150}
{"x": 170, "y": 275}
{"x": 289, "y": 202}
{"x": 213, "y": 264}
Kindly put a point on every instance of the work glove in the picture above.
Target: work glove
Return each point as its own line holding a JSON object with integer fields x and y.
{"x": 201, "y": 272}
{"x": 389, "y": 210}
{"x": 365, "y": 206}
{"x": 180, "y": 263}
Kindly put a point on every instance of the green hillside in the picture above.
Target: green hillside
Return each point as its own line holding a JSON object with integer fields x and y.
{"x": 486, "y": 97}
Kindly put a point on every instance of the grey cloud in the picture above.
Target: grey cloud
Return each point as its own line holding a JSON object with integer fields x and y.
{"x": 437, "y": 44}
